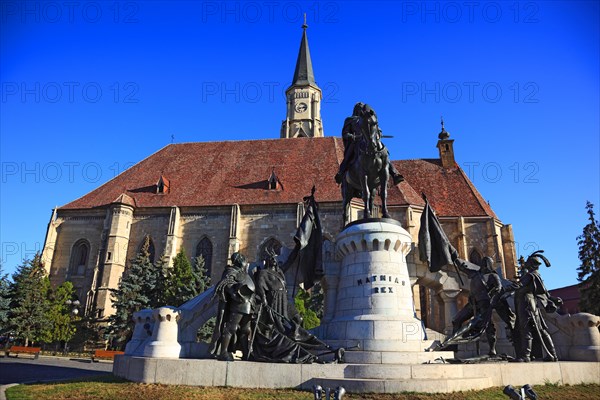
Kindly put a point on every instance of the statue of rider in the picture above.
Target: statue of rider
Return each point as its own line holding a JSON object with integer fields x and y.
{"x": 236, "y": 296}
{"x": 363, "y": 117}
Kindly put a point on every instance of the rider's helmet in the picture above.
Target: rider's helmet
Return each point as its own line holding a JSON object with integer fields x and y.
{"x": 238, "y": 259}
{"x": 487, "y": 265}
{"x": 357, "y": 111}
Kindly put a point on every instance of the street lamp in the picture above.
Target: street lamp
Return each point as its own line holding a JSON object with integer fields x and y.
{"x": 75, "y": 305}
{"x": 74, "y": 313}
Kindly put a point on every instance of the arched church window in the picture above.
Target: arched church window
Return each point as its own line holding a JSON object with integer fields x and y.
{"x": 205, "y": 249}
{"x": 79, "y": 257}
{"x": 151, "y": 248}
{"x": 475, "y": 257}
{"x": 272, "y": 245}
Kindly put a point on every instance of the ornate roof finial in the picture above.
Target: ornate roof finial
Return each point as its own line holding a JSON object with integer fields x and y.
{"x": 443, "y": 135}
{"x": 304, "y": 26}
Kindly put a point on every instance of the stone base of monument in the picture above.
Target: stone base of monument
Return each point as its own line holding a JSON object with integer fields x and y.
{"x": 355, "y": 378}
{"x": 373, "y": 309}
{"x": 369, "y": 303}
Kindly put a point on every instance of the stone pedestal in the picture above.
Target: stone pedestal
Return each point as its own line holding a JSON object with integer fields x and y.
{"x": 586, "y": 337}
{"x": 164, "y": 342}
{"x": 374, "y": 302}
{"x": 144, "y": 326}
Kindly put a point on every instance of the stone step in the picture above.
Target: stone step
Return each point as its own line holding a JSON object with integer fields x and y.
{"x": 407, "y": 371}
{"x": 357, "y": 385}
{"x": 395, "y": 357}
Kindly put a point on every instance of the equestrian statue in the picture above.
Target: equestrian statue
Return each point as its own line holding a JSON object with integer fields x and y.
{"x": 366, "y": 165}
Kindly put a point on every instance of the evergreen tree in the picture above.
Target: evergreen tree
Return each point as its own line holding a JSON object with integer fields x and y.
{"x": 139, "y": 288}
{"x": 589, "y": 270}
{"x": 89, "y": 332}
{"x": 180, "y": 282}
{"x": 60, "y": 313}
{"x": 200, "y": 276}
{"x": 302, "y": 304}
{"x": 29, "y": 304}
{"x": 317, "y": 298}
{"x": 4, "y": 300}
{"x": 201, "y": 282}
{"x": 158, "y": 296}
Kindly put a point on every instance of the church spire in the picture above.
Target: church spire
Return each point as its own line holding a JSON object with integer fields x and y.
{"x": 303, "y": 116}
{"x": 304, "y": 75}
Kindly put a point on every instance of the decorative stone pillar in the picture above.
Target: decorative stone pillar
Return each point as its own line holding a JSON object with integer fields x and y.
{"x": 164, "y": 342}
{"x": 173, "y": 236}
{"x": 234, "y": 239}
{"x": 374, "y": 306}
{"x": 450, "y": 307}
{"x": 144, "y": 324}
{"x": 586, "y": 337}
{"x": 329, "y": 284}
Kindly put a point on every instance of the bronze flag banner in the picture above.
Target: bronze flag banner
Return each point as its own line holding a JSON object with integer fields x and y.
{"x": 434, "y": 247}
{"x": 307, "y": 254}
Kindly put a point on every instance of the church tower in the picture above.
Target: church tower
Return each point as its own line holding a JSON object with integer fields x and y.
{"x": 446, "y": 147}
{"x": 303, "y": 98}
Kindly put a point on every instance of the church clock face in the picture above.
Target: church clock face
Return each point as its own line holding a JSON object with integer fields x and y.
{"x": 301, "y": 107}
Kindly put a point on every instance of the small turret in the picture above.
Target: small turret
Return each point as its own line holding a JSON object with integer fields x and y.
{"x": 445, "y": 146}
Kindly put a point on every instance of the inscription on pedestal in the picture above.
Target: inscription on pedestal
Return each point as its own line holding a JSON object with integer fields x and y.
{"x": 381, "y": 279}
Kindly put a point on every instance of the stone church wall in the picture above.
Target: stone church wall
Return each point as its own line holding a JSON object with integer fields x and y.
{"x": 251, "y": 226}
{"x": 476, "y": 235}
{"x": 260, "y": 223}
{"x": 71, "y": 229}
{"x": 148, "y": 222}
{"x": 212, "y": 223}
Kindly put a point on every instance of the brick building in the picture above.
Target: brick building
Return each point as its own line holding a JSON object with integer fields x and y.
{"x": 179, "y": 199}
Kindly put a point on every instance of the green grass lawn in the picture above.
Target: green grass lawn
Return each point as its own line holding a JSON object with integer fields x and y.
{"x": 109, "y": 387}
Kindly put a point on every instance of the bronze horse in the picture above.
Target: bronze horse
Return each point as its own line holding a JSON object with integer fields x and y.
{"x": 369, "y": 168}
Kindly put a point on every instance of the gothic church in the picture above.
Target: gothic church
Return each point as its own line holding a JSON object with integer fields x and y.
{"x": 254, "y": 201}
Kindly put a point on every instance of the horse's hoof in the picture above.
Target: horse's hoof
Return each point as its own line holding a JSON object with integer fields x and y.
{"x": 387, "y": 216}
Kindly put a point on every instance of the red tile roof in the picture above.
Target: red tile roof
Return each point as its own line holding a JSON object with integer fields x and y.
{"x": 449, "y": 191}
{"x": 225, "y": 173}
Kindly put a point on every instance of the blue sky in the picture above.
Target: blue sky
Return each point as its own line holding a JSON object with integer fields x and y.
{"x": 89, "y": 89}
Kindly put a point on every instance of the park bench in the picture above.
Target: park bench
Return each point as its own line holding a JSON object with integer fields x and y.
{"x": 105, "y": 354}
{"x": 22, "y": 349}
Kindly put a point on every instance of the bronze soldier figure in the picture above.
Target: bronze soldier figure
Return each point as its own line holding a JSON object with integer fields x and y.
{"x": 236, "y": 295}
{"x": 532, "y": 328}
{"x": 271, "y": 287}
{"x": 485, "y": 296}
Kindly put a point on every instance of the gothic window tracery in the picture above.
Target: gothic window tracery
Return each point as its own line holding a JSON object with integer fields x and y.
{"x": 205, "y": 249}
{"x": 79, "y": 257}
{"x": 151, "y": 248}
{"x": 475, "y": 257}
